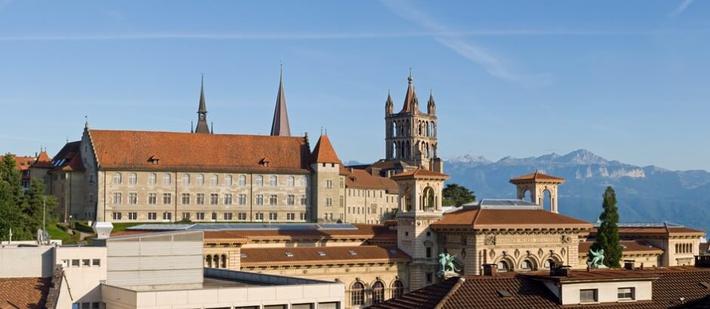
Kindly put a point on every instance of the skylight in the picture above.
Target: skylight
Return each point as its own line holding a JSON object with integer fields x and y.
{"x": 321, "y": 253}
{"x": 504, "y": 293}
{"x": 289, "y": 254}
{"x": 352, "y": 252}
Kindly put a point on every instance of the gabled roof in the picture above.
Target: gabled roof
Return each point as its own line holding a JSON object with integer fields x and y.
{"x": 132, "y": 150}
{"x": 68, "y": 158}
{"x": 513, "y": 217}
{"x": 362, "y": 179}
{"x": 315, "y": 255}
{"x": 324, "y": 151}
{"x": 420, "y": 173}
{"x": 25, "y": 293}
{"x": 536, "y": 177}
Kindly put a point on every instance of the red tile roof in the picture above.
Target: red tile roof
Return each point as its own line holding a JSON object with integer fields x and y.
{"x": 24, "y": 292}
{"x": 536, "y": 177}
{"x": 204, "y": 152}
{"x": 363, "y": 231}
{"x": 655, "y": 230}
{"x": 421, "y": 173}
{"x": 362, "y": 179}
{"x": 324, "y": 151}
{"x": 505, "y": 218}
{"x": 629, "y": 247}
{"x": 23, "y": 163}
{"x": 255, "y": 257}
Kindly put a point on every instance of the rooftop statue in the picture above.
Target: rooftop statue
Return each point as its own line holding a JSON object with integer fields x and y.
{"x": 446, "y": 265}
{"x": 596, "y": 258}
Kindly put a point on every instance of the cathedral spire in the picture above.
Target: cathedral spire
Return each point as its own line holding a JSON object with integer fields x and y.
{"x": 202, "y": 111}
{"x": 411, "y": 103}
{"x": 388, "y": 104}
{"x": 431, "y": 105}
{"x": 280, "y": 126}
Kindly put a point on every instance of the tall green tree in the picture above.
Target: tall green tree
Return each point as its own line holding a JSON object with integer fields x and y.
{"x": 608, "y": 232}
{"x": 457, "y": 195}
{"x": 12, "y": 216}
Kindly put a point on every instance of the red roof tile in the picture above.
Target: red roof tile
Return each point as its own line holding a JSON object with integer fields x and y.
{"x": 421, "y": 173}
{"x": 362, "y": 179}
{"x": 255, "y": 257}
{"x": 24, "y": 292}
{"x": 205, "y": 152}
{"x": 324, "y": 151}
{"x": 488, "y": 218}
{"x": 536, "y": 177}
{"x": 629, "y": 247}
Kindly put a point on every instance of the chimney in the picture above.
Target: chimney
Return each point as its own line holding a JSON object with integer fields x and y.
{"x": 490, "y": 270}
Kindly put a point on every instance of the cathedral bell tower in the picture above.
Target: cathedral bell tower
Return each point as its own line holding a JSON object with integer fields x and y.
{"x": 420, "y": 194}
{"x": 411, "y": 134}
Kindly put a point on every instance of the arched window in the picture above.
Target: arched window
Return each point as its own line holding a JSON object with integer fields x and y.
{"x": 132, "y": 178}
{"x": 378, "y": 292}
{"x": 117, "y": 179}
{"x": 200, "y": 179}
{"x": 214, "y": 180}
{"x": 527, "y": 265}
{"x": 215, "y": 259}
{"x": 549, "y": 263}
{"x": 503, "y": 266}
{"x": 208, "y": 260}
{"x": 242, "y": 180}
{"x": 228, "y": 180}
{"x": 224, "y": 261}
{"x": 259, "y": 181}
{"x": 151, "y": 178}
{"x": 273, "y": 181}
{"x": 167, "y": 180}
{"x": 185, "y": 179}
{"x": 291, "y": 181}
{"x": 428, "y": 199}
{"x": 397, "y": 289}
{"x": 357, "y": 294}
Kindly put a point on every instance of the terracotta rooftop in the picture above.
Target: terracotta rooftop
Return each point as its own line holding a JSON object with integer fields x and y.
{"x": 421, "y": 173}
{"x": 629, "y": 247}
{"x": 362, "y": 179}
{"x": 254, "y": 257}
{"x": 324, "y": 151}
{"x": 505, "y": 218}
{"x": 536, "y": 177}
{"x": 653, "y": 229}
{"x": 527, "y": 291}
{"x": 25, "y": 293}
{"x": 205, "y": 152}
{"x": 363, "y": 231}
{"x": 23, "y": 162}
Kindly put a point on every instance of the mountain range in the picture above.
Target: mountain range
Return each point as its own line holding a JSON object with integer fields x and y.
{"x": 646, "y": 194}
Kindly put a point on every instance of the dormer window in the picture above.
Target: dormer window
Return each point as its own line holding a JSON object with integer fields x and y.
{"x": 265, "y": 162}
{"x": 154, "y": 159}
{"x": 289, "y": 254}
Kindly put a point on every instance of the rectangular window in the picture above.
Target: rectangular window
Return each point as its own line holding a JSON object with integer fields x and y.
{"x": 86, "y": 262}
{"x": 167, "y": 198}
{"x": 329, "y": 184}
{"x": 428, "y": 252}
{"x": 273, "y": 216}
{"x": 259, "y": 216}
{"x": 291, "y": 199}
{"x": 214, "y": 198}
{"x": 200, "y": 198}
{"x": 228, "y": 199}
{"x": 273, "y": 200}
{"x": 96, "y": 262}
{"x": 132, "y": 198}
{"x": 242, "y": 216}
{"x": 228, "y": 216}
{"x": 588, "y": 295}
{"x": 117, "y": 198}
{"x": 290, "y": 216}
{"x": 200, "y": 216}
{"x": 214, "y": 216}
{"x": 228, "y": 180}
{"x": 75, "y": 263}
{"x": 273, "y": 181}
{"x": 242, "y": 199}
{"x": 341, "y": 201}
{"x": 260, "y": 199}
{"x": 429, "y": 277}
{"x": 152, "y": 198}
{"x": 242, "y": 180}
{"x": 186, "y": 198}
{"x": 303, "y": 200}
{"x": 167, "y": 216}
{"x": 303, "y": 216}
{"x": 132, "y": 216}
{"x": 117, "y": 216}
{"x": 328, "y": 202}
{"x": 186, "y": 216}
{"x": 626, "y": 294}
{"x": 152, "y": 216}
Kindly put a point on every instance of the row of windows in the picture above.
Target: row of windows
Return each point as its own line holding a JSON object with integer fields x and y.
{"x": 358, "y": 292}
{"x": 684, "y": 248}
{"x": 369, "y": 193}
{"x": 592, "y": 295}
{"x": 74, "y": 263}
{"x": 214, "y": 180}
{"x": 214, "y": 199}
{"x": 227, "y": 216}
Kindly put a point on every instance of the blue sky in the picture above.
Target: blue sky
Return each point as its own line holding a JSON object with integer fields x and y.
{"x": 626, "y": 79}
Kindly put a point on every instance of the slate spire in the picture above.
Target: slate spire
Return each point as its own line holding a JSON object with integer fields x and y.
{"x": 202, "y": 111}
{"x": 280, "y": 126}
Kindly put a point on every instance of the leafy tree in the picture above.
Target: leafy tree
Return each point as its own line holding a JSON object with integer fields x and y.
{"x": 456, "y": 195}
{"x": 608, "y": 232}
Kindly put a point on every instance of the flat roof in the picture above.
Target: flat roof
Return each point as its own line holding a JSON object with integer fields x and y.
{"x": 243, "y": 227}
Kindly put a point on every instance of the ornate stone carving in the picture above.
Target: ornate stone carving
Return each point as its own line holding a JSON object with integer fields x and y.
{"x": 516, "y": 253}
{"x": 490, "y": 240}
{"x": 492, "y": 254}
{"x": 566, "y": 239}
{"x": 540, "y": 252}
{"x": 563, "y": 252}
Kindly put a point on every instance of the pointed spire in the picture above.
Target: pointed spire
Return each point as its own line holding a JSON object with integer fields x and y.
{"x": 280, "y": 125}
{"x": 431, "y": 105}
{"x": 411, "y": 102}
{"x": 202, "y": 110}
{"x": 389, "y": 105}
{"x": 324, "y": 151}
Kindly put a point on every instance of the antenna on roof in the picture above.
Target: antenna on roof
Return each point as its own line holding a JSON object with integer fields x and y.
{"x": 212, "y": 127}
{"x": 192, "y": 125}
{"x": 86, "y": 122}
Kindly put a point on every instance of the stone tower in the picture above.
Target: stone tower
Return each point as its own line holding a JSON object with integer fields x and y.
{"x": 326, "y": 182}
{"x": 420, "y": 193}
{"x": 411, "y": 134}
{"x": 202, "y": 111}
{"x": 532, "y": 187}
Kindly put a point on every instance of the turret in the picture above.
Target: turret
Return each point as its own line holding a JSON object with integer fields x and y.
{"x": 389, "y": 105}
{"x": 431, "y": 105}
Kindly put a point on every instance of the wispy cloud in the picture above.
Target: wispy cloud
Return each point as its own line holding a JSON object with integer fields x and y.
{"x": 684, "y": 4}
{"x": 493, "y": 64}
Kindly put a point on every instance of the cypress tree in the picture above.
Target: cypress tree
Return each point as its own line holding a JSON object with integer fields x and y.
{"x": 608, "y": 232}
{"x": 11, "y": 201}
